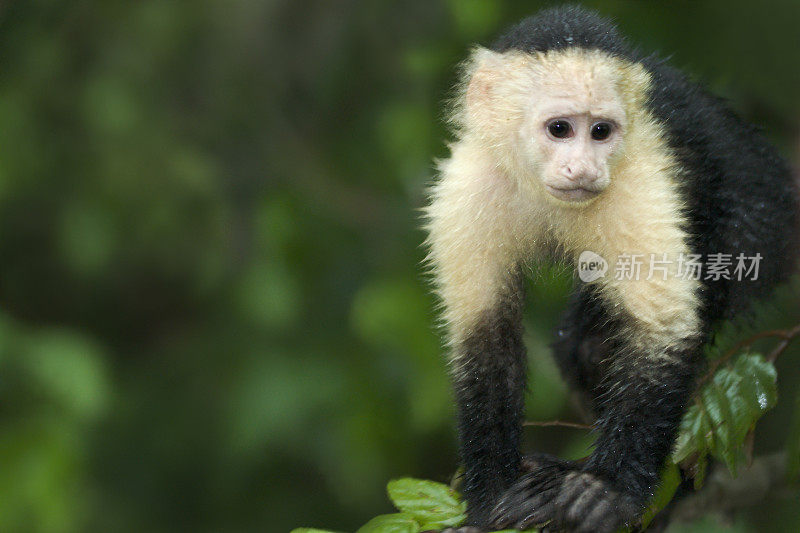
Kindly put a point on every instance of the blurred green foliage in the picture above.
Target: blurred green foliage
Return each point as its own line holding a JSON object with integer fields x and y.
{"x": 213, "y": 312}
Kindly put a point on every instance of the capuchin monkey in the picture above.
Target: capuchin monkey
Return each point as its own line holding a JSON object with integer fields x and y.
{"x": 569, "y": 141}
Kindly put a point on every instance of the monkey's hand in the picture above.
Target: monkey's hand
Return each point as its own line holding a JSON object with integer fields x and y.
{"x": 557, "y": 495}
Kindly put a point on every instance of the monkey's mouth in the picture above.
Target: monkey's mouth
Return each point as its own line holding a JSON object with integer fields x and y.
{"x": 575, "y": 194}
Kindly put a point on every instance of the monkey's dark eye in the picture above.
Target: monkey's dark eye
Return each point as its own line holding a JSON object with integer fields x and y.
{"x": 560, "y": 129}
{"x": 601, "y": 131}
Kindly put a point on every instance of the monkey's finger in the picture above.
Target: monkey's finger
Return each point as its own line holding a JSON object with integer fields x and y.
{"x": 581, "y": 503}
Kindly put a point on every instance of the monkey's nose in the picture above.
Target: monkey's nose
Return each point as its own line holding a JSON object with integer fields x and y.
{"x": 580, "y": 174}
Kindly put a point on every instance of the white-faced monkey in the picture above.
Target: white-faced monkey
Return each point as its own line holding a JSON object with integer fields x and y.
{"x": 569, "y": 140}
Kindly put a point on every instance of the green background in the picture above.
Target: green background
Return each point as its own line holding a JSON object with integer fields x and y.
{"x": 212, "y": 311}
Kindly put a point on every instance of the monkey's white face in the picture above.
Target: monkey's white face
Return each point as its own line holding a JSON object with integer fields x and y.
{"x": 574, "y": 151}
{"x": 571, "y": 131}
{"x": 557, "y": 122}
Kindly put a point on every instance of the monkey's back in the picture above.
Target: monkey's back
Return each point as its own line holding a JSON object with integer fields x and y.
{"x": 740, "y": 193}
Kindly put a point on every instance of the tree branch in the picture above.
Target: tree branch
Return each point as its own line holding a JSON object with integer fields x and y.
{"x": 558, "y": 423}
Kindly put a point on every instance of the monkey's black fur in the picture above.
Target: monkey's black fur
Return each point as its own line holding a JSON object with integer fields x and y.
{"x": 490, "y": 401}
{"x": 740, "y": 197}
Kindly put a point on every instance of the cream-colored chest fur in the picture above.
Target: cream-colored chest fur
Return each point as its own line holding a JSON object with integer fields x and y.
{"x": 487, "y": 215}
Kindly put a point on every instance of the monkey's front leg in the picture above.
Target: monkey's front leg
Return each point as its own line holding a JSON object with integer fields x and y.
{"x": 489, "y": 382}
{"x": 480, "y": 231}
{"x": 642, "y": 400}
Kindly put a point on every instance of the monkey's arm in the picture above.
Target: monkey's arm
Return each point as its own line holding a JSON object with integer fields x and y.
{"x": 644, "y": 386}
{"x": 489, "y": 383}
{"x": 475, "y": 261}
{"x": 637, "y": 426}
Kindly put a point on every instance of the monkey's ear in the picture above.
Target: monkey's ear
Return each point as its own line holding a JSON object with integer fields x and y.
{"x": 495, "y": 88}
{"x": 484, "y": 75}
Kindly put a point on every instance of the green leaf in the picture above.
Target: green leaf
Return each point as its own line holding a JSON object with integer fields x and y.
{"x": 700, "y": 472}
{"x": 310, "y": 530}
{"x": 718, "y": 408}
{"x": 764, "y": 379}
{"x": 670, "y": 480}
{"x": 686, "y": 444}
{"x": 391, "y": 523}
{"x": 727, "y": 409}
{"x": 434, "y": 505}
